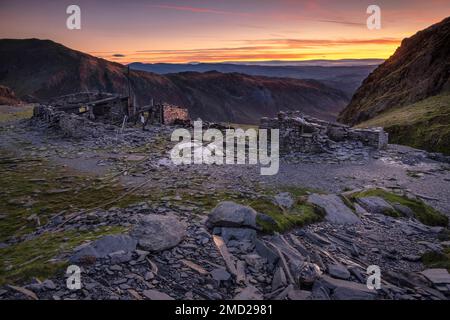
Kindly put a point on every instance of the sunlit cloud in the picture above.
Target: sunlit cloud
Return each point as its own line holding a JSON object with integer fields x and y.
{"x": 199, "y": 10}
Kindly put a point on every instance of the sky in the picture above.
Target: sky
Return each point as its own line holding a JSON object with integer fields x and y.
{"x": 218, "y": 31}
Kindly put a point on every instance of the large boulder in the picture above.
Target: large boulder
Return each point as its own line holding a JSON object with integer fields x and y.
{"x": 375, "y": 205}
{"x": 103, "y": 247}
{"x": 157, "y": 232}
{"x": 335, "y": 209}
{"x": 233, "y": 215}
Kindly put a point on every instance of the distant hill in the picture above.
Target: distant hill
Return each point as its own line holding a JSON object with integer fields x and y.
{"x": 409, "y": 94}
{"x": 344, "y": 75}
{"x": 41, "y": 69}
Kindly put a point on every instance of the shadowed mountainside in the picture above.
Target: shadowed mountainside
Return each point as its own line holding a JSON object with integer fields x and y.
{"x": 41, "y": 69}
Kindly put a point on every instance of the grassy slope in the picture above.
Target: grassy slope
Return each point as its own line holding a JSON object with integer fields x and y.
{"x": 424, "y": 124}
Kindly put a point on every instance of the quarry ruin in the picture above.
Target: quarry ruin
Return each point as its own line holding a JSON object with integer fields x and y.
{"x": 301, "y": 133}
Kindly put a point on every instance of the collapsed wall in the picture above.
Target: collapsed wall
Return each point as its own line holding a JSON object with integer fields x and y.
{"x": 300, "y": 133}
{"x": 71, "y": 125}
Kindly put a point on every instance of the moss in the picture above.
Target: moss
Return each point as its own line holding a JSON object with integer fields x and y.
{"x": 36, "y": 257}
{"x": 299, "y": 215}
{"x": 422, "y": 212}
{"x": 434, "y": 259}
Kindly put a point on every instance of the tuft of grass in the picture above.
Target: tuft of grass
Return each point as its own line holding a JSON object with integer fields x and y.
{"x": 434, "y": 259}
{"x": 422, "y": 212}
{"x": 424, "y": 124}
{"x": 36, "y": 257}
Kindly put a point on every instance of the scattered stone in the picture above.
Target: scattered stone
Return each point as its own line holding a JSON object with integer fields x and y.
{"x": 249, "y": 293}
{"x": 156, "y": 295}
{"x": 437, "y": 276}
{"x": 307, "y": 273}
{"x": 347, "y": 290}
{"x": 220, "y": 275}
{"x": 296, "y": 294}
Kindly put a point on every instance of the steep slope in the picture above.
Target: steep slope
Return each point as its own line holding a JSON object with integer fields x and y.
{"x": 419, "y": 68}
{"x": 42, "y": 69}
{"x": 424, "y": 124}
{"x": 238, "y": 97}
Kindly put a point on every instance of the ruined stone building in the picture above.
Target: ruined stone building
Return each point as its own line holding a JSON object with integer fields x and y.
{"x": 105, "y": 107}
{"x": 300, "y": 133}
{"x": 168, "y": 114}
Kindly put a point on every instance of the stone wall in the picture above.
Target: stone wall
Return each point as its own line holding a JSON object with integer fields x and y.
{"x": 300, "y": 133}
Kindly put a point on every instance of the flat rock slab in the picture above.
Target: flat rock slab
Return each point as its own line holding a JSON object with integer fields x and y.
{"x": 338, "y": 271}
{"x": 156, "y": 295}
{"x": 249, "y": 293}
{"x": 437, "y": 276}
{"x": 157, "y": 232}
{"x": 375, "y": 205}
{"x": 104, "y": 246}
{"x": 233, "y": 215}
{"x": 335, "y": 209}
{"x": 347, "y": 290}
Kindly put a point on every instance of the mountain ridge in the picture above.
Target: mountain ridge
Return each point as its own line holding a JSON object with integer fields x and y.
{"x": 43, "y": 69}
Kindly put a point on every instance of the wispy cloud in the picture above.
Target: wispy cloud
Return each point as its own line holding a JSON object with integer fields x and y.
{"x": 273, "y": 49}
{"x": 200, "y": 10}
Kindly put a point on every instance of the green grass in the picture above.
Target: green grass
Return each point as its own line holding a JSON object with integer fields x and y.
{"x": 437, "y": 260}
{"x": 33, "y": 188}
{"x": 422, "y": 212}
{"x": 33, "y": 258}
{"x": 424, "y": 125}
{"x": 8, "y": 113}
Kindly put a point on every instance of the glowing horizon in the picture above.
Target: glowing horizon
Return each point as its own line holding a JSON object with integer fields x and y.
{"x": 217, "y": 31}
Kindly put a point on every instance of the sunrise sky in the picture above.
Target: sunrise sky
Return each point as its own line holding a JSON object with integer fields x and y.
{"x": 214, "y": 31}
